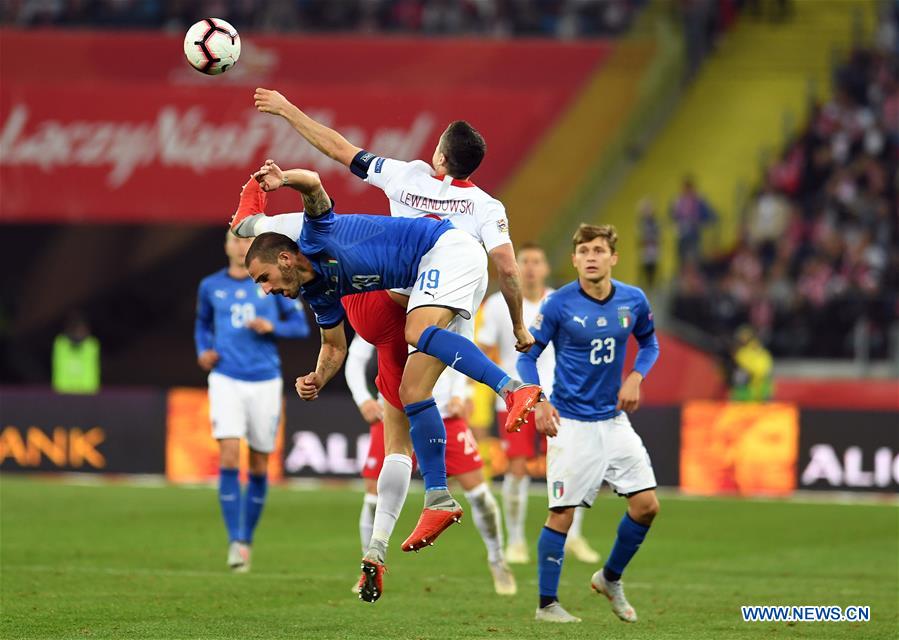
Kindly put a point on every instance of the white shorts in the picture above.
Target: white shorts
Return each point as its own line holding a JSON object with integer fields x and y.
{"x": 453, "y": 274}
{"x": 241, "y": 409}
{"x": 584, "y": 454}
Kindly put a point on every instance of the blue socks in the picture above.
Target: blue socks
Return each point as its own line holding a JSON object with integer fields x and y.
{"x": 429, "y": 441}
{"x": 550, "y": 553}
{"x": 229, "y": 498}
{"x": 236, "y": 510}
{"x": 253, "y": 501}
{"x": 462, "y": 355}
{"x": 630, "y": 536}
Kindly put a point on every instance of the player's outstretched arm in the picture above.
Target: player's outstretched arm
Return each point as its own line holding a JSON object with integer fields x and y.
{"x": 315, "y": 200}
{"x": 323, "y": 138}
{"x": 330, "y": 359}
{"x": 503, "y": 258}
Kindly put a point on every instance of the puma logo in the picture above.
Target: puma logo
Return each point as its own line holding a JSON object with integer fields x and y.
{"x": 428, "y": 293}
{"x": 458, "y": 357}
{"x": 580, "y": 321}
{"x": 558, "y": 561}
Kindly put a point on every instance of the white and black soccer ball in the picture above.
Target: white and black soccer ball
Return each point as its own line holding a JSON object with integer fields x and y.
{"x": 212, "y": 46}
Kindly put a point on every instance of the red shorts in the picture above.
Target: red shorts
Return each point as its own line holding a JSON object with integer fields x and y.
{"x": 382, "y": 322}
{"x": 521, "y": 443}
{"x": 461, "y": 449}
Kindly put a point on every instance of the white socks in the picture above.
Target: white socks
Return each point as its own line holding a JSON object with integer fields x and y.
{"x": 515, "y": 506}
{"x": 288, "y": 224}
{"x": 485, "y": 512}
{"x": 367, "y": 519}
{"x": 393, "y": 485}
{"x": 575, "y": 530}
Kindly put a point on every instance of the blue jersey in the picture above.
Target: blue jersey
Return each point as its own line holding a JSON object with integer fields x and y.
{"x": 590, "y": 339}
{"x": 224, "y": 306}
{"x": 354, "y": 253}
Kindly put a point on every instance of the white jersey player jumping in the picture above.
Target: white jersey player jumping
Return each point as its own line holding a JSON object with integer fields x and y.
{"x": 416, "y": 189}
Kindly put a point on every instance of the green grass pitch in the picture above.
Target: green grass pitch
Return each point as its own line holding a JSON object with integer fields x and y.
{"x": 121, "y": 561}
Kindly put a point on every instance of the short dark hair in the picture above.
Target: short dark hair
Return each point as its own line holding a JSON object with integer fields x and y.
{"x": 463, "y": 147}
{"x": 267, "y": 246}
{"x": 589, "y": 232}
{"x": 531, "y": 246}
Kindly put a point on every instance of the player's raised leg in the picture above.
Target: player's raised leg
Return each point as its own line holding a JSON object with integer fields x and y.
{"x": 642, "y": 509}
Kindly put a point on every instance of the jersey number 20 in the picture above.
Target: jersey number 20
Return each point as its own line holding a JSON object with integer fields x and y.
{"x": 596, "y": 354}
{"x": 241, "y": 314}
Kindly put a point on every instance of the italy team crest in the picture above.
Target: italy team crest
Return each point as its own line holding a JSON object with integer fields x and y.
{"x": 558, "y": 489}
{"x": 624, "y": 317}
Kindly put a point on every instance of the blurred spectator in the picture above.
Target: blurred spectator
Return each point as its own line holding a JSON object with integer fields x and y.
{"x": 690, "y": 213}
{"x": 751, "y": 367}
{"x": 649, "y": 239}
{"x": 816, "y": 268}
{"x": 76, "y": 358}
{"x": 498, "y": 18}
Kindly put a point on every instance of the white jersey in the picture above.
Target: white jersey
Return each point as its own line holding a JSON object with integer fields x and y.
{"x": 495, "y": 330}
{"x": 414, "y": 191}
{"x": 450, "y": 384}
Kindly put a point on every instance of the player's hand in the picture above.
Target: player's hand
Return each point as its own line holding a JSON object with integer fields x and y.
{"x": 269, "y": 176}
{"x": 456, "y": 407}
{"x": 371, "y": 411}
{"x": 207, "y": 359}
{"x": 629, "y": 395}
{"x": 261, "y": 326}
{"x": 523, "y": 339}
{"x": 309, "y": 385}
{"x": 547, "y": 418}
{"x": 269, "y": 101}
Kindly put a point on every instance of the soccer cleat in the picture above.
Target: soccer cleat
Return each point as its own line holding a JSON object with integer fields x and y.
{"x": 554, "y": 613}
{"x": 371, "y": 582}
{"x": 519, "y": 404}
{"x": 252, "y": 201}
{"x": 503, "y": 579}
{"x": 239, "y": 557}
{"x": 581, "y": 549}
{"x": 517, "y": 553}
{"x": 614, "y": 591}
{"x": 430, "y": 525}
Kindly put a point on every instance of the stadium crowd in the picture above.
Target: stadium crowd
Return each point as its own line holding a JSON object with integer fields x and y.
{"x": 504, "y": 18}
{"x": 818, "y": 253}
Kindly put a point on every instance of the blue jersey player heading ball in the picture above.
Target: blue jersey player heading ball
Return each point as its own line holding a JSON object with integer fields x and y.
{"x": 354, "y": 253}
{"x": 589, "y": 322}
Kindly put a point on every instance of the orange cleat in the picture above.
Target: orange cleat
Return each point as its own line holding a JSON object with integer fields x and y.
{"x": 371, "y": 582}
{"x": 519, "y": 404}
{"x": 252, "y": 201}
{"x": 430, "y": 525}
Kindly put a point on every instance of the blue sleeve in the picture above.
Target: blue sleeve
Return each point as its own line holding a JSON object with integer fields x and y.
{"x": 291, "y": 321}
{"x": 543, "y": 330}
{"x": 204, "y": 327}
{"x": 328, "y": 311}
{"x": 644, "y": 332}
{"x": 313, "y": 237}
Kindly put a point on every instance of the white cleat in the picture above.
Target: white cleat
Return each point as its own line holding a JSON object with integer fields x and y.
{"x": 614, "y": 591}
{"x": 356, "y": 588}
{"x": 503, "y": 579}
{"x": 517, "y": 553}
{"x": 554, "y": 613}
{"x": 239, "y": 557}
{"x": 581, "y": 549}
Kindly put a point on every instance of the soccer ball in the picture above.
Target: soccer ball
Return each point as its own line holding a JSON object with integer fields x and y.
{"x": 212, "y": 46}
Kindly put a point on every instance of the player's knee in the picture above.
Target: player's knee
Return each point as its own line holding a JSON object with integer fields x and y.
{"x": 258, "y": 463}
{"x": 646, "y": 511}
{"x": 413, "y": 332}
{"x": 412, "y": 391}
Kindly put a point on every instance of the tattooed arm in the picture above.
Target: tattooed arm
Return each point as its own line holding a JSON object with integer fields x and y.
{"x": 315, "y": 200}
{"x": 330, "y": 359}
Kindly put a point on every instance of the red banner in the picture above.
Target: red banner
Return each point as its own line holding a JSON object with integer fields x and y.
{"x": 103, "y": 127}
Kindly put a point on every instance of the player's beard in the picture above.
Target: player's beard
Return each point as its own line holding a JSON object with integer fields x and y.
{"x": 292, "y": 278}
